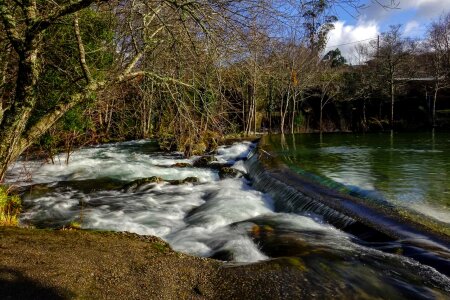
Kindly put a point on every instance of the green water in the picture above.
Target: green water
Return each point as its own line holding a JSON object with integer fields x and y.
{"x": 409, "y": 170}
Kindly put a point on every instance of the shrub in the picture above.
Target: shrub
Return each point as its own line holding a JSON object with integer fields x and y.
{"x": 10, "y": 207}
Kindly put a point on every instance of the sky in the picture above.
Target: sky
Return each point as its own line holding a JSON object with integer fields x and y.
{"x": 415, "y": 17}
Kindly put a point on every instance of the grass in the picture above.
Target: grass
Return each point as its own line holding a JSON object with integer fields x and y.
{"x": 10, "y": 207}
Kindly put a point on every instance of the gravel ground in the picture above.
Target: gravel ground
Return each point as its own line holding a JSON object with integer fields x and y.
{"x": 72, "y": 264}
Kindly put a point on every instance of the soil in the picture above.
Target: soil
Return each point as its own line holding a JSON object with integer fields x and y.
{"x": 78, "y": 264}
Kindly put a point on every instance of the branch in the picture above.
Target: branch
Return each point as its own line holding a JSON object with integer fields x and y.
{"x": 11, "y": 27}
{"x": 129, "y": 76}
{"x": 29, "y": 8}
{"x": 133, "y": 62}
{"x": 82, "y": 52}
{"x": 394, "y": 4}
{"x": 50, "y": 118}
{"x": 41, "y": 24}
{"x": 139, "y": 55}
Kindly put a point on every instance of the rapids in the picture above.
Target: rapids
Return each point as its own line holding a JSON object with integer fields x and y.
{"x": 226, "y": 219}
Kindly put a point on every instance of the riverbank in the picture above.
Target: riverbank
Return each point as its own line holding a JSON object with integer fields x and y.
{"x": 52, "y": 264}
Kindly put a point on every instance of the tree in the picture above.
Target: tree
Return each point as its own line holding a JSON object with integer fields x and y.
{"x": 390, "y": 58}
{"x": 329, "y": 86}
{"x": 142, "y": 32}
{"x": 26, "y": 23}
{"x": 438, "y": 45}
{"x": 317, "y": 23}
{"x": 335, "y": 58}
{"x": 24, "y": 28}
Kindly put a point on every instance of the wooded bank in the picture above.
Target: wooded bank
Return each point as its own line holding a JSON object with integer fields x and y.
{"x": 190, "y": 72}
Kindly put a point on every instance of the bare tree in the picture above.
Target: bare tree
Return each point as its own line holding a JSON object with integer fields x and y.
{"x": 391, "y": 57}
{"x": 439, "y": 51}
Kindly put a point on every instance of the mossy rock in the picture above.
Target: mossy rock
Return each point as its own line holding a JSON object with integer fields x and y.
{"x": 36, "y": 190}
{"x": 227, "y": 172}
{"x": 138, "y": 183}
{"x": 182, "y": 181}
{"x": 153, "y": 179}
{"x": 204, "y": 161}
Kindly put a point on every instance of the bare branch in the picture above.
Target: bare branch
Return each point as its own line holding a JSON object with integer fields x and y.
{"x": 129, "y": 76}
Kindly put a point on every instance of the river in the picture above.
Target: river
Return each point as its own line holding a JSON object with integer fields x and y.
{"x": 226, "y": 219}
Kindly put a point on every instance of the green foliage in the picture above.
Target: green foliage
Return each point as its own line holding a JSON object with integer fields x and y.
{"x": 10, "y": 207}
{"x": 317, "y": 23}
{"x": 75, "y": 121}
{"x": 161, "y": 247}
{"x": 335, "y": 57}
{"x": 73, "y": 225}
{"x": 299, "y": 119}
{"x": 61, "y": 75}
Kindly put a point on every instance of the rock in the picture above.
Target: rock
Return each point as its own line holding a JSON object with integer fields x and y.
{"x": 204, "y": 161}
{"x": 137, "y": 184}
{"x": 182, "y": 181}
{"x": 223, "y": 255}
{"x": 227, "y": 172}
{"x": 181, "y": 165}
{"x": 190, "y": 180}
{"x": 215, "y": 165}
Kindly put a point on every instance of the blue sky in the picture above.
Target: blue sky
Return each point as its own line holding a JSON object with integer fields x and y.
{"x": 414, "y": 16}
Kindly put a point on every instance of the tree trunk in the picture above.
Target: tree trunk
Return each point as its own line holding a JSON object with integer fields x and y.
{"x": 14, "y": 122}
{"x": 23, "y": 141}
{"x": 293, "y": 116}
{"x": 284, "y": 111}
{"x": 364, "y": 115}
{"x": 270, "y": 121}
{"x": 321, "y": 115}
{"x": 392, "y": 103}
{"x": 254, "y": 114}
{"x": 434, "y": 106}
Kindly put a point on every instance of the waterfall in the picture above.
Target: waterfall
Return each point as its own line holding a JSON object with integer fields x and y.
{"x": 290, "y": 199}
{"x": 295, "y": 193}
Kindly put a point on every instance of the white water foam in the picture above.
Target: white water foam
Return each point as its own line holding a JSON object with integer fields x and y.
{"x": 211, "y": 218}
{"x": 235, "y": 152}
{"x": 193, "y": 218}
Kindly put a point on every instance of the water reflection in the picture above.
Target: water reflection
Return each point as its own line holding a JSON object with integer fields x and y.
{"x": 408, "y": 170}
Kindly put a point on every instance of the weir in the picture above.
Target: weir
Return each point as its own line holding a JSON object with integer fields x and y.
{"x": 299, "y": 194}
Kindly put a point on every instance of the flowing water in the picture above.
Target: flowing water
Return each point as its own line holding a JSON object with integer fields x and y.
{"x": 221, "y": 218}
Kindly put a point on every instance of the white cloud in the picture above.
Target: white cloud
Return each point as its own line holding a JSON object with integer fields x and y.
{"x": 411, "y": 27}
{"x": 424, "y": 9}
{"x": 427, "y": 8}
{"x": 415, "y": 15}
{"x": 346, "y": 37}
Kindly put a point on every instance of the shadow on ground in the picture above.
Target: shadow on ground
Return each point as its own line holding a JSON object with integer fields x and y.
{"x": 14, "y": 285}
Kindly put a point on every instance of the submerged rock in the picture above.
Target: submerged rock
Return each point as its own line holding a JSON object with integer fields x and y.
{"x": 182, "y": 181}
{"x": 86, "y": 186}
{"x": 227, "y": 172}
{"x": 143, "y": 184}
{"x": 181, "y": 165}
{"x": 138, "y": 184}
